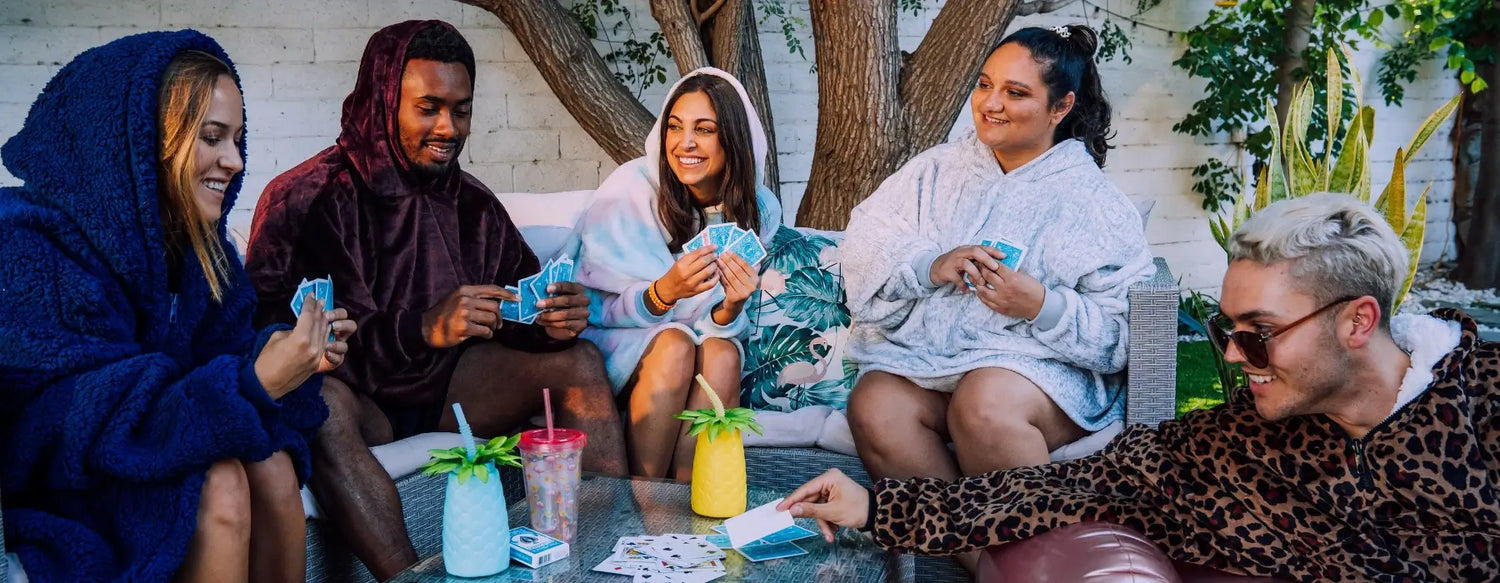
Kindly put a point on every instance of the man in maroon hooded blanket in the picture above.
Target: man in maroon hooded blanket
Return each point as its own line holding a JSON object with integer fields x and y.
{"x": 418, "y": 252}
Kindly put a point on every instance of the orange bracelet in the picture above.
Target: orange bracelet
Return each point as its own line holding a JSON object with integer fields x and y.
{"x": 655, "y": 298}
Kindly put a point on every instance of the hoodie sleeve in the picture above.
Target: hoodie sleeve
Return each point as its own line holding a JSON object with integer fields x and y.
{"x": 85, "y": 403}
{"x": 1093, "y": 269}
{"x": 886, "y": 260}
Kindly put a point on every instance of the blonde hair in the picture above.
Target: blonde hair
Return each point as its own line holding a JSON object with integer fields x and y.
{"x": 1338, "y": 246}
{"x": 186, "y": 90}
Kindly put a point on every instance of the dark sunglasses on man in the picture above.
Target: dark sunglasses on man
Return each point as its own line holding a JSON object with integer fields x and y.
{"x": 1254, "y": 345}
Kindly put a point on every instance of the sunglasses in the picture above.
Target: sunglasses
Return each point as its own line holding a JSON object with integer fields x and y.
{"x": 1254, "y": 345}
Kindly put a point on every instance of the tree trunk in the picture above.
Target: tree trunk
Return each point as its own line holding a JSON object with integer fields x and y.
{"x": 681, "y": 29}
{"x": 734, "y": 46}
{"x": 940, "y": 75}
{"x": 861, "y": 122}
{"x": 1294, "y": 40}
{"x": 578, "y": 76}
{"x": 1468, "y": 127}
{"x": 1479, "y": 267}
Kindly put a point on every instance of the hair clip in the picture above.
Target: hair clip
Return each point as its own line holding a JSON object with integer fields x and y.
{"x": 1062, "y": 31}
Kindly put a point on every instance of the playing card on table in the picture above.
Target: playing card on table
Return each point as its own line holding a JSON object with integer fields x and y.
{"x": 748, "y": 247}
{"x": 758, "y": 553}
{"x": 756, "y": 523}
{"x": 684, "y": 550}
{"x": 673, "y": 557}
{"x": 785, "y": 535}
{"x": 1013, "y": 252}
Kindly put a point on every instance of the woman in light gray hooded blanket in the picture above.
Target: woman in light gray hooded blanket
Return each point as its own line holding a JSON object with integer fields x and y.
{"x": 1023, "y": 360}
{"x": 663, "y": 314}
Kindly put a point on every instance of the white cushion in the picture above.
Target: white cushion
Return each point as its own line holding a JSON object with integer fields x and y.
{"x": 547, "y": 220}
{"x": 799, "y": 428}
{"x": 399, "y": 458}
{"x": 17, "y": 574}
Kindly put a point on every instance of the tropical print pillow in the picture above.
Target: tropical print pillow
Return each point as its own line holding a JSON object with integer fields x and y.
{"x": 799, "y": 326}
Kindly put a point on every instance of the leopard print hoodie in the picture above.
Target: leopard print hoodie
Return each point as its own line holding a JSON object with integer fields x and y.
{"x": 1414, "y": 500}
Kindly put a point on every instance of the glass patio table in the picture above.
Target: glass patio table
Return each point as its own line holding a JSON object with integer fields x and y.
{"x": 610, "y": 508}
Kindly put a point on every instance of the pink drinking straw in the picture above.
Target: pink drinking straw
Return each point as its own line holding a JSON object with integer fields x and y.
{"x": 547, "y": 406}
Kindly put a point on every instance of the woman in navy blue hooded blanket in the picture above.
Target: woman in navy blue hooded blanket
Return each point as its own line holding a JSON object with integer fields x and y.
{"x": 146, "y": 430}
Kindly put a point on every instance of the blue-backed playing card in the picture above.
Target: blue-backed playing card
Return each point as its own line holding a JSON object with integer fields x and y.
{"x": 785, "y": 535}
{"x": 748, "y": 247}
{"x": 1014, "y": 252}
{"x": 529, "y": 297}
{"x": 510, "y": 310}
{"x": 758, "y": 553}
{"x": 721, "y": 235}
{"x": 696, "y": 243}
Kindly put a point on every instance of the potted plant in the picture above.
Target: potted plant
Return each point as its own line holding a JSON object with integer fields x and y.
{"x": 476, "y": 522}
{"x": 719, "y": 458}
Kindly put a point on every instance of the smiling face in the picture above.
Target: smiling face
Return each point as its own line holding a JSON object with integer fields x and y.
{"x": 216, "y": 151}
{"x": 1011, "y": 108}
{"x": 1307, "y": 365}
{"x": 692, "y": 146}
{"x": 437, "y": 99}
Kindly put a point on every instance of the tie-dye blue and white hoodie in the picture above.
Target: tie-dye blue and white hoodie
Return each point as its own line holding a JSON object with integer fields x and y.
{"x": 1084, "y": 243}
{"x": 624, "y": 249}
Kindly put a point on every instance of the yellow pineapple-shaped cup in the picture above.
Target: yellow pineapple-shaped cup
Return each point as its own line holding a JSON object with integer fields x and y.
{"x": 719, "y": 457}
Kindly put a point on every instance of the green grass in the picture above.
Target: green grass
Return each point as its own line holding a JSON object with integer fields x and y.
{"x": 1198, "y": 384}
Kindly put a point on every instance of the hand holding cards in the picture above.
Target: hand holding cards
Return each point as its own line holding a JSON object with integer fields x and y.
{"x": 533, "y": 289}
{"x": 729, "y": 238}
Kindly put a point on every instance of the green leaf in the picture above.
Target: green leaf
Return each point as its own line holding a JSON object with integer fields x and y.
{"x": 767, "y": 354}
{"x": 792, "y": 250}
{"x": 1277, "y": 186}
{"x": 447, "y": 454}
{"x": 483, "y": 472}
{"x": 1412, "y": 235}
{"x": 1353, "y": 159}
{"x": 815, "y": 298}
{"x": 828, "y": 392}
{"x": 1466, "y": 77}
{"x": 464, "y": 474}
{"x": 1393, "y": 200}
{"x": 1478, "y": 85}
{"x": 1430, "y": 125}
{"x": 437, "y": 468}
{"x": 1376, "y": 17}
{"x": 1335, "y": 106}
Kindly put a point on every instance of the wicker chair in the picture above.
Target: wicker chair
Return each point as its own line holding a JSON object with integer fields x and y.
{"x": 1151, "y": 399}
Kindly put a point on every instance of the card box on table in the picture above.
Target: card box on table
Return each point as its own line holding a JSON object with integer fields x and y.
{"x": 534, "y": 549}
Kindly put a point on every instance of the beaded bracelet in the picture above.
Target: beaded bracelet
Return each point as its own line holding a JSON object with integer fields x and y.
{"x": 655, "y": 298}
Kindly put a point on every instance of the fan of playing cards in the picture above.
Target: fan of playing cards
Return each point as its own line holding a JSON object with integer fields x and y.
{"x": 320, "y": 288}
{"x": 729, "y": 238}
{"x": 533, "y": 289}
{"x": 676, "y": 558}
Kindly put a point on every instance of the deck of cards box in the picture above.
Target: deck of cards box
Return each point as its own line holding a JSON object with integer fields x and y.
{"x": 729, "y": 238}
{"x": 533, "y": 289}
{"x": 534, "y": 549}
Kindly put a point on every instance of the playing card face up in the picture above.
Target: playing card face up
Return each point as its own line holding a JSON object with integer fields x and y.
{"x": 674, "y": 558}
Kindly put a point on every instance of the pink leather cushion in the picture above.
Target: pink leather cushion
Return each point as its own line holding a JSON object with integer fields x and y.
{"x": 1093, "y": 552}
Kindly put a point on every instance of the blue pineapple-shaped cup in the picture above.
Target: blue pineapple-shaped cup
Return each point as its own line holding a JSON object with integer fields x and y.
{"x": 476, "y": 522}
{"x": 476, "y": 526}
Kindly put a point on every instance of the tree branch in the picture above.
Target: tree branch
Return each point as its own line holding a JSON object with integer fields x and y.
{"x": 679, "y": 23}
{"x": 703, "y": 17}
{"x": 734, "y": 46}
{"x": 938, "y": 76}
{"x": 576, "y": 73}
{"x": 1030, "y": 7}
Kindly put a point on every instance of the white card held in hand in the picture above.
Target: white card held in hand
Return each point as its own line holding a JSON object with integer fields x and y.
{"x": 757, "y": 523}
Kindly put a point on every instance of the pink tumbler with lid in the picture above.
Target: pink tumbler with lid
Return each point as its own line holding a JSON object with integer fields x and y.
{"x": 550, "y": 460}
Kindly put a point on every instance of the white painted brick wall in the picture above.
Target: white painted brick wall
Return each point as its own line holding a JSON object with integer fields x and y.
{"x": 298, "y": 60}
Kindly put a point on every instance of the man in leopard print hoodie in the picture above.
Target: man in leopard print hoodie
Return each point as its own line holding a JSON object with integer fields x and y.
{"x": 1366, "y": 448}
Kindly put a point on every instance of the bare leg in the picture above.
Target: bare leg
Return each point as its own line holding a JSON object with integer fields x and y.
{"x": 900, "y": 429}
{"x": 658, "y": 391}
{"x": 278, "y": 527}
{"x": 356, "y": 492}
{"x": 719, "y": 363}
{"x": 501, "y": 388}
{"x": 219, "y": 551}
{"x": 1000, "y": 419}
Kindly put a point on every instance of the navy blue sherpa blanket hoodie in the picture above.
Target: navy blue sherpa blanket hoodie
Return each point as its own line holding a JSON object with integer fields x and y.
{"x": 116, "y": 394}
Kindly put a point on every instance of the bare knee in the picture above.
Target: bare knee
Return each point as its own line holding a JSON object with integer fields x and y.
{"x": 721, "y": 363}
{"x": 882, "y": 410}
{"x": 274, "y": 479}
{"x": 225, "y": 504}
{"x": 672, "y": 354}
{"x": 981, "y": 412}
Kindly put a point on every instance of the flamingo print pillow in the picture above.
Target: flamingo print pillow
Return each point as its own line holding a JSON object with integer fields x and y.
{"x": 799, "y": 326}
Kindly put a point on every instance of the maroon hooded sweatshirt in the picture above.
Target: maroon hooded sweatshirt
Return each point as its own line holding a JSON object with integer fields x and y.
{"x": 393, "y": 244}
